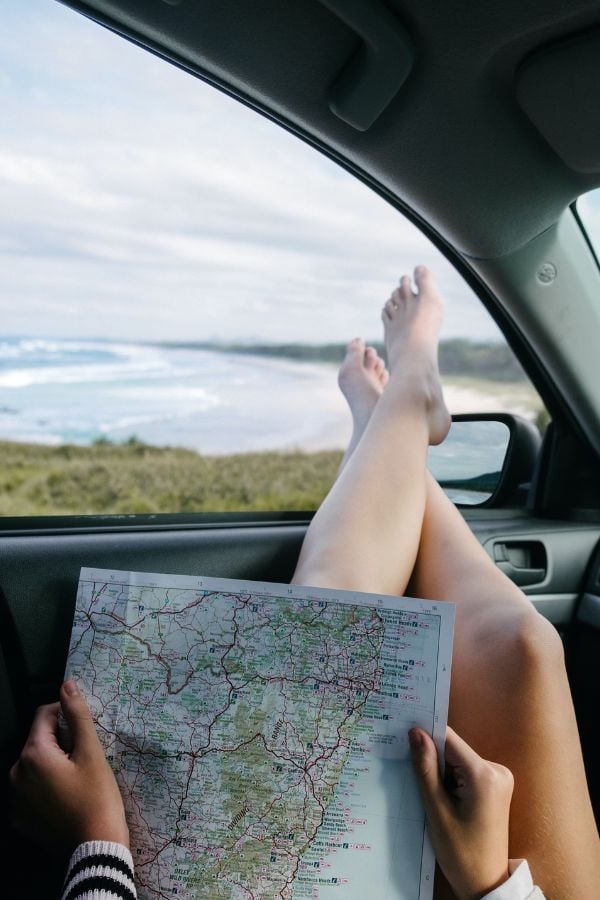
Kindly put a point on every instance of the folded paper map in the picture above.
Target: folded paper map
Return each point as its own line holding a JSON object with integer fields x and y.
{"x": 258, "y": 732}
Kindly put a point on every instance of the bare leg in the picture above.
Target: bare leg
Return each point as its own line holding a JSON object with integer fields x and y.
{"x": 510, "y": 697}
{"x": 366, "y": 534}
{"x": 362, "y": 378}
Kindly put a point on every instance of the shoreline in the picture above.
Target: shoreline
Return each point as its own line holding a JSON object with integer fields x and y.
{"x": 213, "y": 402}
{"x": 462, "y": 396}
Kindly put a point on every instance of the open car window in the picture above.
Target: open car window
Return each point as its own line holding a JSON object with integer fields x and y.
{"x": 179, "y": 278}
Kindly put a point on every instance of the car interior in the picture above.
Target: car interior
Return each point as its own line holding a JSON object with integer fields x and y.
{"x": 480, "y": 123}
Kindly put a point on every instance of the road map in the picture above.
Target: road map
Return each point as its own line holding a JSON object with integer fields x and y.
{"x": 258, "y": 732}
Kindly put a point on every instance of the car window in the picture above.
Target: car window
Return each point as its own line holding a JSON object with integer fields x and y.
{"x": 179, "y": 279}
{"x": 588, "y": 207}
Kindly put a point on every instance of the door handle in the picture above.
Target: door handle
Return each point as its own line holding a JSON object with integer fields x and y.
{"x": 525, "y": 562}
{"x": 375, "y": 73}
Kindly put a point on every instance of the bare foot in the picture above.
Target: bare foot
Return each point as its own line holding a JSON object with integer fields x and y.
{"x": 411, "y": 324}
{"x": 362, "y": 378}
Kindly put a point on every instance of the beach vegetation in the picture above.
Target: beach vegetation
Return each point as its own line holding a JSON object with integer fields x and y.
{"x": 458, "y": 356}
{"x": 133, "y": 477}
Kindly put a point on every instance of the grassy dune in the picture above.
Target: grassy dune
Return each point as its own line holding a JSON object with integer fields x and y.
{"x": 137, "y": 478}
{"x": 106, "y": 478}
{"x": 134, "y": 477}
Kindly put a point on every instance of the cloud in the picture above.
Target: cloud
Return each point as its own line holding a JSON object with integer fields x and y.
{"x": 140, "y": 203}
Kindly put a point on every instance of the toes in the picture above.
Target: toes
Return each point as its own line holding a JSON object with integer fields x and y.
{"x": 356, "y": 347}
{"x": 381, "y": 373}
{"x": 370, "y": 359}
{"x": 353, "y": 358}
{"x": 389, "y": 310}
{"x": 423, "y": 278}
{"x": 405, "y": 289}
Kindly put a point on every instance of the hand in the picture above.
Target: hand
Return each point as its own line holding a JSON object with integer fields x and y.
{"x": 66, "y": 798}
{"x": 468, "y": 824}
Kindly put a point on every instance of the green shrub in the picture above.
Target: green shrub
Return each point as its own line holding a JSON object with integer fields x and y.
{"x": 107, "y": 478}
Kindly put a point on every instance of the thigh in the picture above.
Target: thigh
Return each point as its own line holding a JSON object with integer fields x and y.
{"x": 510, "y": 699}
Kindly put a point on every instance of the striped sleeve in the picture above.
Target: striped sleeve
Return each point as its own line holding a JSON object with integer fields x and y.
{"x": 100, "y": 870}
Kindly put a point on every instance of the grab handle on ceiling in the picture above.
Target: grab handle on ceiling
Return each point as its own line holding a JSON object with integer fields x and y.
{"x": 375, "y": 73}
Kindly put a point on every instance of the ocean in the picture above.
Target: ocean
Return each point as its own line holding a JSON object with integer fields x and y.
{"x": 78, "y": 391}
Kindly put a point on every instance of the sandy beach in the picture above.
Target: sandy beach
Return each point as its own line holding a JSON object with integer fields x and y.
{"x": 463, "y": 395}
{"x": 69, "y": 392}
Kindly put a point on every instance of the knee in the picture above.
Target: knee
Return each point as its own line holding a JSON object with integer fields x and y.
{"x": 524, "y": 641}
{"x": 538, "y": 643}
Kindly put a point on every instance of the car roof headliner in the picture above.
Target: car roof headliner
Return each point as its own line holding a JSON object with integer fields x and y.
{"x": 454, "y": 145}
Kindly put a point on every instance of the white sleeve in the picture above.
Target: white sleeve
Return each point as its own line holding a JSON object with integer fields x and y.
{"x": 519, "y": 886}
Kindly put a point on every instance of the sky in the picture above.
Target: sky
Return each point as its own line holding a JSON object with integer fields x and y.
{"x": 137, "y": 202}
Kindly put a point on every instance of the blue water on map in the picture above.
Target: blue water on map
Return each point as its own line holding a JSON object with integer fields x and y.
{"x": 76, "y": 391}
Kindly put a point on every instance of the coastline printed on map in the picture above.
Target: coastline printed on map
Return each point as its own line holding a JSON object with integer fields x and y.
{"x": 258, "y": 732}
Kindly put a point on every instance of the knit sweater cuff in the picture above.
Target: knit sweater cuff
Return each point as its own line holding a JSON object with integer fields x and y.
{"x": 100, "y": 870}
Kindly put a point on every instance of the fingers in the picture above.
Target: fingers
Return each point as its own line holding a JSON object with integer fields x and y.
{"x": 80, "y": 722}
{"x": 473, "y": 774}
{"x": 44, "y": 725}
{"x": 503, "y": 777}
{"x": 459, "y": 753}
{"x": 465, "y": 769}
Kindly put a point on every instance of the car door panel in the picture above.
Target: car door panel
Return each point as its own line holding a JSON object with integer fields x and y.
{"x": 38, "y": 582}
{"x": 582, "y": 663}
{"x": 552, "y": 576}
{"x": 38, "y": 575}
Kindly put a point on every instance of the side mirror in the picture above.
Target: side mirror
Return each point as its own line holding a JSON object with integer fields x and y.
{"x": 488, "y": 459}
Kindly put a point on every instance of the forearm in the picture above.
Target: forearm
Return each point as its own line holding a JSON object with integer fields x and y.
{"x": 103, "y": 867}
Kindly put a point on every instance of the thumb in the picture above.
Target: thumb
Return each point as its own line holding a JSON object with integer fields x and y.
{"x": 79, "y": 719}
{"x": 425, "y": 763}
